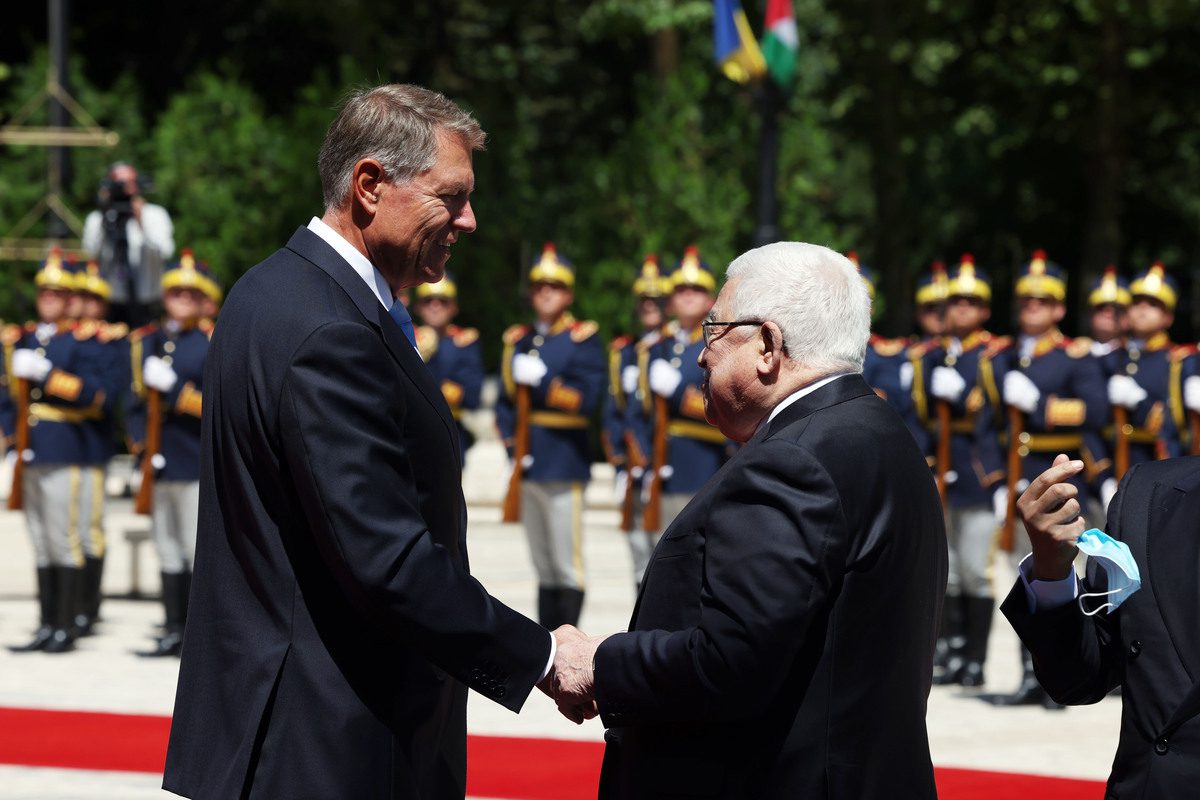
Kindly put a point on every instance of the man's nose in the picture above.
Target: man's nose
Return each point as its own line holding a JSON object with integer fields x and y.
{"x": 466, "y": 219}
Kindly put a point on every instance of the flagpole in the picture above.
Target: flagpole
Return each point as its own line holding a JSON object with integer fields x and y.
{"x": 769, "y": 98}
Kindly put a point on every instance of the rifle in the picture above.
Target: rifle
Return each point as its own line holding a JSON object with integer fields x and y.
{"x": 512, "y": 500}
{"x": 144, "y": 502}
{"x": 943, "y": 448}
{"x": 1121, "y": 454}
{"x": 1016, "y": 427}
{"x": 631, "y": 486}
{"x": 1194, "y": 425}
{"x": 16, "y": 495}
{"x": 652, "y": 516}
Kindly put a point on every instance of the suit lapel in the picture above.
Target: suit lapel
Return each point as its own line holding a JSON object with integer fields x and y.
{"x": 1173, "y": 553}
{"x": 316, "y": 250}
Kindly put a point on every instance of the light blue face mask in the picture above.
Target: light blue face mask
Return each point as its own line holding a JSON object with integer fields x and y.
{"x": 1124, "y": 577}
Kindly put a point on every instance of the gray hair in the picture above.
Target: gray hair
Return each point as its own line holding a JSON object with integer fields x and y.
{"x": 815, "y": 296}
{"x": 397, "y": 125}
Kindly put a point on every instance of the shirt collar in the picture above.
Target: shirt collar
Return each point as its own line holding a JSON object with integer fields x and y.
{"x": 796, "y": 395}
{"x": 357, "y": 261}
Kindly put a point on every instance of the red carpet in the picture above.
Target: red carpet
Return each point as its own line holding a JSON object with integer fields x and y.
{"x": 505, "y": 767}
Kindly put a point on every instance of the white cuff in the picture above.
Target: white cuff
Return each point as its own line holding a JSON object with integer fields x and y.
{"x": 550, "y": 661}
{"x": 1046, "y": 595}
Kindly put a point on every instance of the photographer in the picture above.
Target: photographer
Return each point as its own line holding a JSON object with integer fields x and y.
{"x": 131, "y": 239}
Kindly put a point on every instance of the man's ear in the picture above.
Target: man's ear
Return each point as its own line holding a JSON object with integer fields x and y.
{"x": 770, "y": 348}
{"x": 365, "y": 182}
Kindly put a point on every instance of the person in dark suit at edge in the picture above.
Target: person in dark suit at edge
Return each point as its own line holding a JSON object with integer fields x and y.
{"x": 782, "y": 642}
{"x": 334, "y": 626}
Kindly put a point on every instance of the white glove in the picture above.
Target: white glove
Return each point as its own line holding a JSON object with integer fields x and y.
{"x": 947, "y": 384}
{"x": 629, "y": 379}
{"x": 620, "y": 485}
{"x": 1019, "y": 391}
{"x": 1124, "y": 391}
{"x": 664, "y": 379}
{"x": 906, "y": 373}
{"x": 528, "y": 370}
{"x": 1107, "y": 490}
{"x": 1191, "y": 393}
{"x": 158, "y": 375}
{"x": 29, "y": 365}
{"x": 1000, "y": 504}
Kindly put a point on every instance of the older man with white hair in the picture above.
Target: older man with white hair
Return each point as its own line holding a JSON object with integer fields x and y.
{"x": 782, "y": 642}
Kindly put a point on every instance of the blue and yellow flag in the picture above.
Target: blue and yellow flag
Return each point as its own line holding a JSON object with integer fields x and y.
{"x": 734, "y": 46}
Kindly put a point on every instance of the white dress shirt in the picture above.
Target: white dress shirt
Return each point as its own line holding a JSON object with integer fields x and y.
{"x": 796, "y": 395}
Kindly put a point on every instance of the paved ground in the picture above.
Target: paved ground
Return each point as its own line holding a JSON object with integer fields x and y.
{"x": 104, "y": 675}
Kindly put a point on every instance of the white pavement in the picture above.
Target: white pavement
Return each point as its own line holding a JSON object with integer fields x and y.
{"x": 103, "y": 675}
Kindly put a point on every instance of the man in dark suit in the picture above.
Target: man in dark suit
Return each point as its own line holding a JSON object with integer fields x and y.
{"x": 1149, "y": 645}
{"x": 782, "y": 643}
{"x": 334, "y": 627}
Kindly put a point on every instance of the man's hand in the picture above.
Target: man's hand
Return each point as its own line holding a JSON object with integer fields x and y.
{"x": 1021, "y": 392}
{"x": 1053, "y": 518}
{"x": 528, "y": 370}
{"x": 570, "y": 681}
{"x": 947, "y": 384}
{"x": 29, "y": 365}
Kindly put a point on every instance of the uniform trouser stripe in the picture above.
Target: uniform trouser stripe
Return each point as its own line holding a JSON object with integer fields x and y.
{"x": 94, "y": 542}
{"x": 577, "y": 533}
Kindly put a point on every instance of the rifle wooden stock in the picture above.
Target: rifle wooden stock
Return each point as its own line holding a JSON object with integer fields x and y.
{"x": 943, "y": 448}
{"x": 144, "y": 502}
{"x": 632, "y": 484}
{"x": 1194, "y": 424}
{"x": 652, "y": 516}
{"x": 512, "y": 500}
{"x": 1121, "y": 451}
{"x": 1016, "y": 426}
{"x": 16, "y": 495}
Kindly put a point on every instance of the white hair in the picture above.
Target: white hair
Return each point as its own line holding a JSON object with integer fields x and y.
{"x": 816, "y": 297}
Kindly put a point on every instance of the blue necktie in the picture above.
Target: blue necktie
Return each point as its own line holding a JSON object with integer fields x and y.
{"x": 400, "y": 314}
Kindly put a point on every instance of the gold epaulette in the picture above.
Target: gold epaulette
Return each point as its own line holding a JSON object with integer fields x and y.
{"x": 462, "y": 337}
{"x": 620, "y": 343}
{"x": 143, "y": 332}
{"x": 1181, "y": 351}
{"x": 997, "y": 345}
{"x": 1078, "y": 348}
{"x": 515, "y": 334}
{"x": 427, "y": 341}
{"x": 113, "y": 332}
{"x": 649, "y": 340}
{"x": 86, "y": 329}
{"x": 583, "y": 330}
{"x": 888, "y": 347}
{"x": 920, "y": 348}
{"x": 11, "y": 334}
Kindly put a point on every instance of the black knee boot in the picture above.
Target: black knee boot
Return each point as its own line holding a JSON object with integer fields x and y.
{"x": 548, "y": 607}
{"x": 46, "y": 592}
{"x": 89, "y": 602}
{"x": 978, "y": 619}
{"x": 1029, "y": 692}
{"x": 570, "y": 606}
{"x": 62, "y": 639}
{"x": 953, "y": 626}
{"x": 171, "y": 642}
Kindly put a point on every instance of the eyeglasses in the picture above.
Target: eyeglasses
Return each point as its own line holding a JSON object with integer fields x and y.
{"x": 707, "y": 326}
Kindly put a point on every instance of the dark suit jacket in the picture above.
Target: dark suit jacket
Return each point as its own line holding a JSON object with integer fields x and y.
{"x": 333, "y": 622}
{"x": 782, "y": 643}
{"x": 1150, "y": 646}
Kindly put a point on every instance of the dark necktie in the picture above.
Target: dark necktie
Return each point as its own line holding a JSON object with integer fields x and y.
{"x": 400, "y": 314}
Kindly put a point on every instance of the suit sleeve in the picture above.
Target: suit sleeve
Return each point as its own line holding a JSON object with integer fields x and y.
{"x": 1078, "y": 659}
{"x": 760, "y": 596}
{"x": 353, "y": 474}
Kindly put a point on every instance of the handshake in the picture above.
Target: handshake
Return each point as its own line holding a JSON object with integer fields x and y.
{"x": 571, "y": 680}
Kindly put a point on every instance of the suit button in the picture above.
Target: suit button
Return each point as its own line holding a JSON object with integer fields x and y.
{"x": 1161, "y": 746}
{"x": 1135, "y": 647}
{"x": 499, "y": 691}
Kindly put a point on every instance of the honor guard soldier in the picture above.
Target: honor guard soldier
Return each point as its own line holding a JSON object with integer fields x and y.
{"x": 451, "y": 353}
{"x": 166, "y": 397}
{"x": 553, "y": 375}
{"x": 51, "y": 390}
{"x": 930, "y": 299}
{"x": 969, "y": 468}
{"x": 887, "y": 367}
{"x": 1052, "y": 392}
{"x": 668, "y": 421}
{"x": 1108, "y": 319}
{"x": 1147, "y": 380}
{"x": 618, "y": 436}
{"x": 112, "y": 367}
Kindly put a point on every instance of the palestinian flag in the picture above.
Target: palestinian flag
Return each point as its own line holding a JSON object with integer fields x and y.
{"x": 780, "y": 42}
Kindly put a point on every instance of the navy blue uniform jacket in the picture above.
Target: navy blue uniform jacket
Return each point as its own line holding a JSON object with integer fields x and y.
{"x": 333, "y": 627}
{"x": 782, "y": 643}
